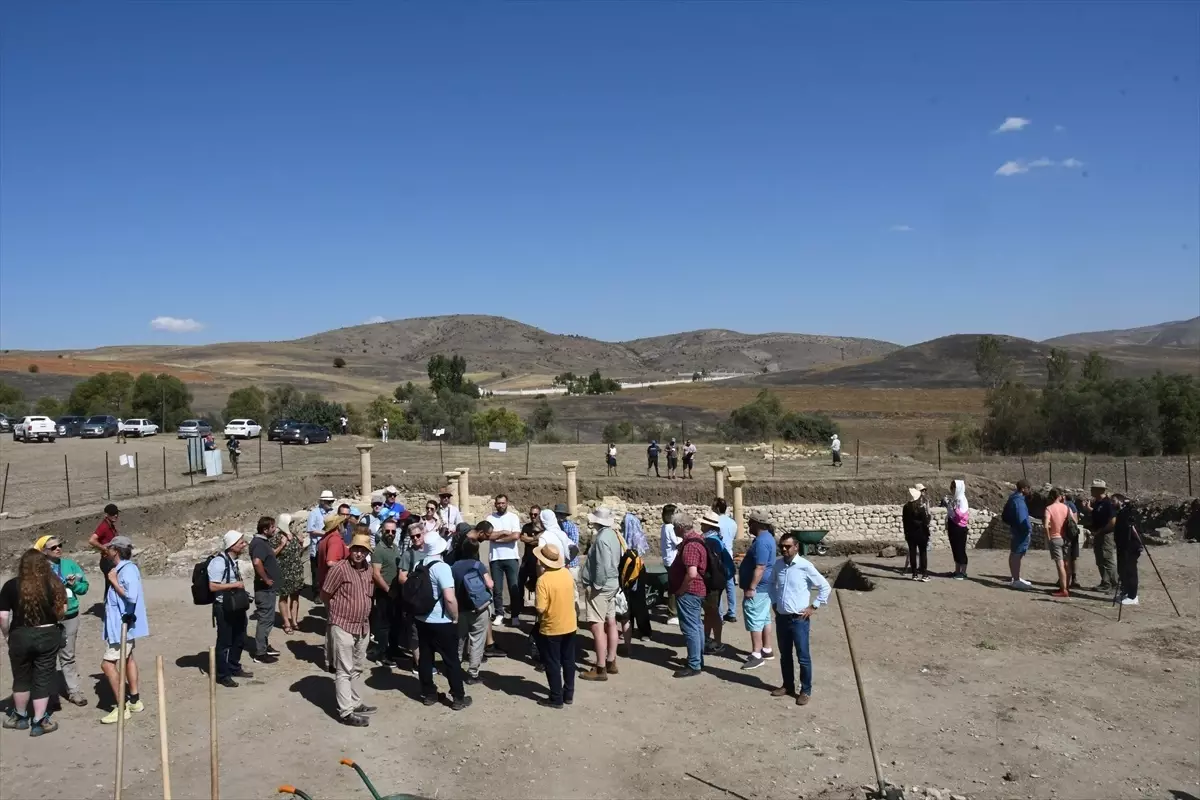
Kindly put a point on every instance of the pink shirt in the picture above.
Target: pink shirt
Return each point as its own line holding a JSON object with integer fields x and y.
{"x": 1055, "y": 518}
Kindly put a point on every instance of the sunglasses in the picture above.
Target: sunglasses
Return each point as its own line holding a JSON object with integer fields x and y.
{"x": 55, "y": 547}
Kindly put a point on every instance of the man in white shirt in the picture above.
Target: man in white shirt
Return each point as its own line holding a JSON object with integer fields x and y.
{"x": 504, "y": 561}
{"x": 448, "y": 514}
{"x": 835, "y": 446}
{"x": 668, "y": 544}
{"x": 315, "y": 528}
{"x": 792, "y": 580}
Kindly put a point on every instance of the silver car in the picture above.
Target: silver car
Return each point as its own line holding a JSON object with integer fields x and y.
{"x": 190, "y": 428}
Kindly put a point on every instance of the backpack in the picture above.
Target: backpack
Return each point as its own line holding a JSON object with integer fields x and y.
{"x": 201, "y": 594}
{"x": 630, "y": 568}
{"x": 714, "y": 571}
{"x": 473, "y": 592}
{"x": 1071, "y": 528}
{"x": 416, "y": 595}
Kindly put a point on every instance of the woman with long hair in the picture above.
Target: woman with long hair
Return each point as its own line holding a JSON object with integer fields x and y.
{"x": 291, "y": 568}
{"x": 31, "y": 607}
{"x": 958, "y": 515}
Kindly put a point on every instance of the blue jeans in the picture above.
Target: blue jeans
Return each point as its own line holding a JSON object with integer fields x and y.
{"x": 731, "y": 597}
{"x": 792, "y": 632}
{"x": 690, "y": 616}
{"x": 506, "y": 572}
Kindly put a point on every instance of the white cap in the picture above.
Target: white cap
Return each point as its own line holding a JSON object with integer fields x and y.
{"x": 231, "y": 538}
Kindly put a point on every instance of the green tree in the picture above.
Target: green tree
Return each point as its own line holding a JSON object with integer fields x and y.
{"x": 103, "y": 393}
{"x": 48, "y": 407}
{"x": 618, "y": 432}
{"x": 795, "y": 426}
{"x": 992, "y": 364}
{"x": 757, "y": 420}
{"x": 154, "y": 395}
{"x": 446, "y": 373}
{"x": 12, "y": 400}
{"x": 1058, "y": 368}
{"x": 542, "y": 417}
{"x": 497, "y": 425}
{"x": 598, "y": 384}
{"x": 247, "y": 402}
{"x": 1178, "y": 398}
{"x": 1096, "y": 368}
{"x": 405, "y": 392}
{"x": 965, "y": 437}
{"x": 1014, "y": 424}
{"x": 311, "y": 407}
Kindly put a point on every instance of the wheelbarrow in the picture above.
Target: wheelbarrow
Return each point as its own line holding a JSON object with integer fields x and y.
{"x": 370, "y": 787}
{"x": 811, "y": 539}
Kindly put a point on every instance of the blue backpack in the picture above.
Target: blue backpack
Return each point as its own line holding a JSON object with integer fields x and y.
{"x": 472, "y": 592}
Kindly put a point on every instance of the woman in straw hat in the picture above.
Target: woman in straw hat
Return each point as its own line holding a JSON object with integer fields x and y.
{"x": 555, "y": 599}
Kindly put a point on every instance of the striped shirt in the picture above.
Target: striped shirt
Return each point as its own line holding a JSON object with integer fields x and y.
{"x": 350, "y": 592}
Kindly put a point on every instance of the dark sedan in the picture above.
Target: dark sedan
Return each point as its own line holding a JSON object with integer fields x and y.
{"x": 304, "y": 433}
{"x": 100, "y": 426}
{"x": 69, "y": 426}
{"x": 279, "y": 426}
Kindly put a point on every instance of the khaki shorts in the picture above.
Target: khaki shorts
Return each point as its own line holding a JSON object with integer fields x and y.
{"x": 112, "y": 652}
{"x": 1056, "y": 549}
{"x": 599, "y": 605}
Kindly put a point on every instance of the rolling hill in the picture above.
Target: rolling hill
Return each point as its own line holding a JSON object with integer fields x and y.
{"x": 1182, "y": 333}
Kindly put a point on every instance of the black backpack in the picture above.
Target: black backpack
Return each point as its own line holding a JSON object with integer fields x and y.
{"x": 714, "y": 571}
{"x": 201, "y": 594}
{"x": 416, "y": 595}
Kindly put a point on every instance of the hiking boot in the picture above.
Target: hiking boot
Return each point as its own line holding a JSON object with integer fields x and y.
{"x": 731, "y": 617}
{"x": 111, "y": 717}
{"x": 546, "y": 702}
{"x": 363, "y": 708}
{"x": 686, "y": 672}
{"x": 242, "y": 673}
{"x": 227, "y": 682}
{"x": 356, "y": 721}
{"x": 611, "y": 668}
{"x": 429, "y": 700}
{"x": 802, "y": 699}
{"x": 137, "y": 707}
{"x": 43, "y": 726}
{"x": 77, "y": 699}
{"x": 754, "y": 661}
{"x": 782, "y": 691}
{"x": 594, "y": 674}
{"x": 460, "y": 704}
{"x": 17, "y": 722}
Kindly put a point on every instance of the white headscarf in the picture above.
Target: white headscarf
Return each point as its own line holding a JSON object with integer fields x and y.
{"x": 552, "y": 533}
{"x": 959, "y": 501}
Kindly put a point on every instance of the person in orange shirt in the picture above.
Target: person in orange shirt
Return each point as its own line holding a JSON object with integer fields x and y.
{"x": 1055, "y": 519}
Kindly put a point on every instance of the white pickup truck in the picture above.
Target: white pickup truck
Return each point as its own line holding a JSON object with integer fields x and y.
{"x": 138, "y": 427}
{"x": 30, "y": 428}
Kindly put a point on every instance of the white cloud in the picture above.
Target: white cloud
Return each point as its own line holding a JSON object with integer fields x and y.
{"x": 1041, "y": 162}
{"x": 1059, "y": 128}
{"x": 1072, "y": 163}
{"x": 176, "y": 325}
{"x": 1011, "y": 124}
{"x": 375, "y": 320}
{"x": 1012, "y": 168}
{"x": 901, "y": 229}
{"x": 1020, "y": 166}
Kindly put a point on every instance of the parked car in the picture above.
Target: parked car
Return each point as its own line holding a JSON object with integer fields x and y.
{"x": 69, "y": 426}
{"x": 30, "y": 428}
{"x": 278, "y": 426}
{"x": 99, "y": 426}
{"x": 242, "y": 429}
{"x": 305, "y": 433}
{"x": 191, "y": 428}
{"x": 5, "y": 424}
{"x": 138, "y": 427}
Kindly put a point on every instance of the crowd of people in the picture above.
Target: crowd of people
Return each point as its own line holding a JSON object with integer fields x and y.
{"x": 406, "y": 589}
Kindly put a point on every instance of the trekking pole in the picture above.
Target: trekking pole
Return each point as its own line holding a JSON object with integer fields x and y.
{"x": 1156, "y": 572}
{"x": 121, "y": 658}
{"x": 162, "y": 729}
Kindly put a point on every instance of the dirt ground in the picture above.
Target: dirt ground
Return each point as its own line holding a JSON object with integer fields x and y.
{"x": 968, "y": 683}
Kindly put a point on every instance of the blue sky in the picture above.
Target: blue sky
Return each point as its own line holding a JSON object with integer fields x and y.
{"x": 270, "y": 170}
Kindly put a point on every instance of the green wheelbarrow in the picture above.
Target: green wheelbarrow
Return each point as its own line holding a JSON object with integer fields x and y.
{"x": 810, "y": 542}
{"x": 370, "y": 787}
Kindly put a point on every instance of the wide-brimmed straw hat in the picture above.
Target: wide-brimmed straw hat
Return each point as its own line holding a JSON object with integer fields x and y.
{"x": 549, "y": 555}
{"x": 334, "y": 521}
{"x": 231, "y": 538}
{"x": 362, "y": 540}
{"x": 327, "y": 495}
{"x": 603, "y": 516}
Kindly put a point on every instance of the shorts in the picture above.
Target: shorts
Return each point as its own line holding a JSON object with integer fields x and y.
{"x": 599, "y": 605}
{"x": 1072, "y": 547}
{"x": 1057, "y": 551}
{"x": 113, "y": 651}
{"x": 1019, "y": 545}
{"x": 712, "y": 601}
{"x": 33, "y": 654}
{"x": 612, "y": 460}
{"x": 672, "y": 463}
{"x": 687, "y": 462}
{"x": 757, "y": 610}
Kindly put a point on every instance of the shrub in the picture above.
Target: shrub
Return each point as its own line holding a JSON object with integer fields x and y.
{"x": 965, "y": 437}
{"x": 339, "y": 362}
{"x": 618, "y": 432}
{"x": 33, "y": 368}
{"x": 812, "y": 428}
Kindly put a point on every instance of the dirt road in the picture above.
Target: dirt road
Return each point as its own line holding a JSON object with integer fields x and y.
{"x": 968, "y": 681}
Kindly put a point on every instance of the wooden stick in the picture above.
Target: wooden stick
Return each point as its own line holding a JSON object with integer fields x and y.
{"x": 862, "y": 695}
{"x": 121, "y": 656}
{"x": 162, "y": 729}
{"x": 215, "y": 775}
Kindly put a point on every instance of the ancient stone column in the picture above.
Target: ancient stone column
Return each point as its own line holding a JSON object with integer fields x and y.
{"x": 718, "y": 468}
{"x": 572, "y": 489}
{"x": 464, "y": 491}
{"x": 364, "y": 471}
{"x": 737, "y": 477}
{"x": 452, "y": 483}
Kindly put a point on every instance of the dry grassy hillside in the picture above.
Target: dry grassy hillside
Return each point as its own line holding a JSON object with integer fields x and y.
{"x": 730, "y": 351}
{"x": 1183, "y": 333}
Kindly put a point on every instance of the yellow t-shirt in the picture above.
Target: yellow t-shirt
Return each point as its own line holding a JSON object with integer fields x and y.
{"x": 556, "y": 602}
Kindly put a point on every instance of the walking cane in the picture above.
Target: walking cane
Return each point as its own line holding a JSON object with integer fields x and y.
{"x": 121, "y": 656}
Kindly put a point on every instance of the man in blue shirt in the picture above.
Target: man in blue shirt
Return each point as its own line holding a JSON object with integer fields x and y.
{"x": 315, "y": 528}
{"x": 792, "y": 581}
{"x": 391, "y": 506}
{"x": 652, "y": 459}
{"x": 728, "y": 533}
{"x": 124, "y": 604}
{"x": 1016, "y": 514}
{"x": 437, "y": 631}
{"x": 710, "y": 526}
{"x": 754, "y": 576}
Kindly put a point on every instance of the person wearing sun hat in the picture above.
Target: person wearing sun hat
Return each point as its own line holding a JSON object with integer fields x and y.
{"x": 347, "y": 592}
{"x": 75, "y": 583}
{"x": 449, "y": 515}
{"x": 556, "y": 626}
{"x": 392, "y": 506}
{"x": 315, "y": 528}
{"x": 437, "y": 631}
{"x": 915, "y": 519}
{"x": 224, "y": 581}
{"x": 601, "y": 582}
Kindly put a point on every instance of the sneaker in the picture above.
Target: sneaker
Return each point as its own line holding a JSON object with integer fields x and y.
{"x": 1130, "y": 601}
{"x": 356, "y": 721}
{"x": 363, "y": 708}
{"x": 1104, "y": 587}
{"x": 513, "y": 622}
{"x": 753, "y": 662}
{"x": 673, "y": 621}
{"x": 959, "y": 576}
{"x": 227, "y": 682}
{"x": 429, "y": 700}
{"x": 137, "y": 707}
{"x": 17, "y": 722}
{"x": 386, "y": 661}
{"x": 1061, "y": 593}
{"x": 272, "y": 652}
{"x": 611, "y": 668}
{"x": 782, "y": 691}
{"x": 263, "y": 659}
{"x": 546, "y": 702}
{"x": 471, "y": 680}
{"x": 913, "y": 578}
{"x": 77, "y": 699}
{"x": 241, "y": 673}
{"x": 924, "y": 579}
{"x": 686, "y": 672}
{"x": 498, "y": 619}
{"x": 802, "y": 699}
{"x": 460, "y": 704}
{"x": 768, "y": 655}
{"x": 491, "y": 651}
{"x": 569, "y": 700}
{"x": 714, "y": 649}
{"x": 731, "y": 617}
{"x": 1021, "y": 583}
{"x": 594, "y": 674}
{"x": 111, "y": 717}
{"x": 43, "y": 726}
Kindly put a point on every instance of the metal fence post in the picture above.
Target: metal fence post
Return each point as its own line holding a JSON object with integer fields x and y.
{"x": 479, "y": 450}
{"x": 107, "y": 481}
{"x": 1085, "y": 486}
{"x": 67, "y": 473}
{"x": 772, "y": 459}
{"x": 856, "y": 453}
{"x": 527, "y": 447}
{"x": 260, "y": 453}
{"x": 1189, "y": 455}
{"x": 1051, "y": 478}
{"x": 1125, "y": 464}
{"x": 4, "y": 491}
{"x": 164, "y": 468}
{"x": 1024, "y": 474}
{"x": 939, "y": 455}
{"x": 137, "y": 474}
